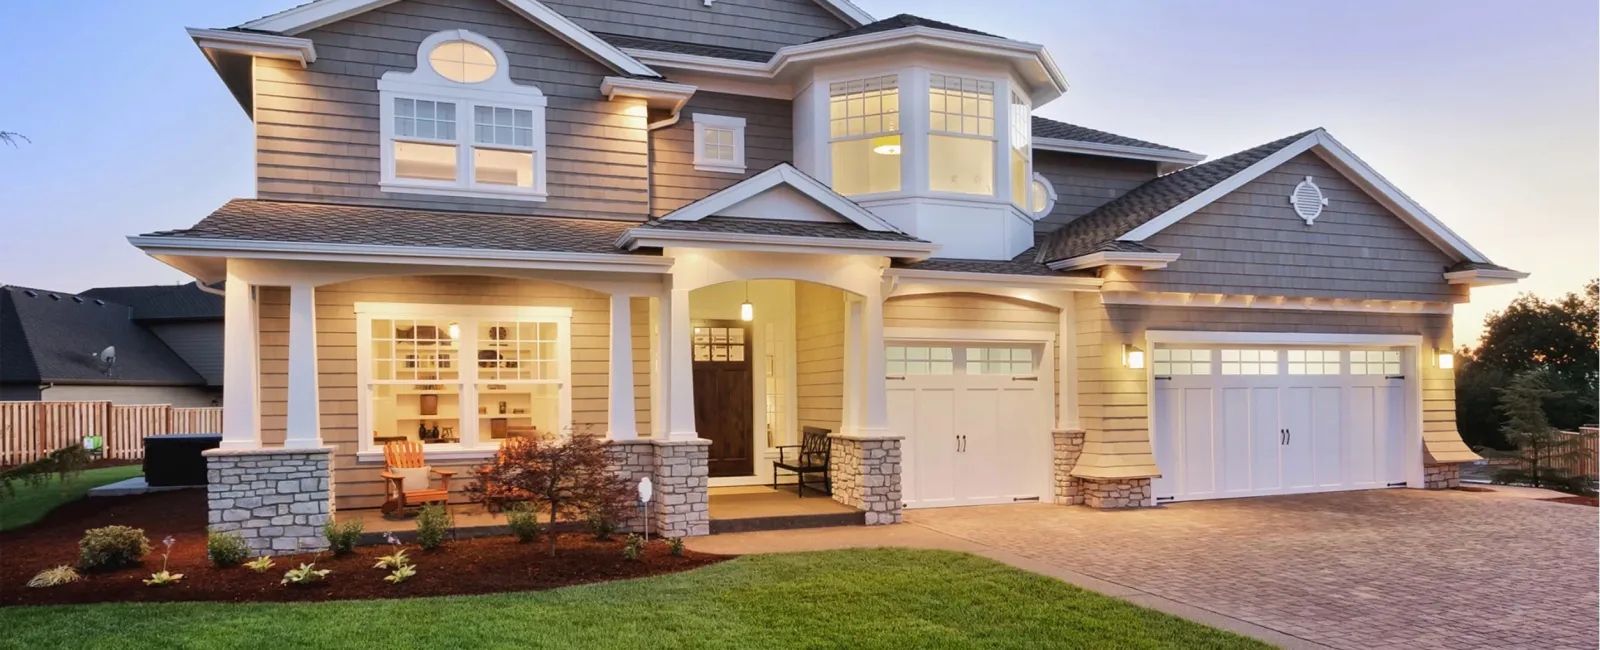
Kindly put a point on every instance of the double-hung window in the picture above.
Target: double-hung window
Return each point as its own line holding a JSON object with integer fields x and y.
{"x": 961, "y": 139}
{"x": 461, "y": 378}
{"x": 864, "y": 135}
{"x": 458, "y": 125}
{"x": 1021, "y": 154}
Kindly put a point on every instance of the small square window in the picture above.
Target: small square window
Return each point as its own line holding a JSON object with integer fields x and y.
{"x": 719, "y": 143}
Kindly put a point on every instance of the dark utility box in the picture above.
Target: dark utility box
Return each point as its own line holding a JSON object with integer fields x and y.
{"x": 176, "y": 460}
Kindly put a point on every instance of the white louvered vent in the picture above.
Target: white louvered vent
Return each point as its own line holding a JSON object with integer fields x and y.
{"x": 1307, "y": 200}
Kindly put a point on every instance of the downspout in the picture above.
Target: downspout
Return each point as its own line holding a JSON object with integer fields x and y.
{"x": 650, "y": 163}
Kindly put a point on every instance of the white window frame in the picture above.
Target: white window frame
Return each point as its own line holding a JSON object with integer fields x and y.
{"x": 1020, "y": 117}
{"x": 1050, "y": 196}
{"x": 704, "y": 122}
{"x": 826, "y": 96}
{"x": 497, "y": 91}
{"x": 472, "y": 445}
{"x": 997, "y": 154}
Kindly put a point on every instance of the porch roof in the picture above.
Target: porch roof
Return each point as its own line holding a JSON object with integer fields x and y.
{"x": 782, "y": 228}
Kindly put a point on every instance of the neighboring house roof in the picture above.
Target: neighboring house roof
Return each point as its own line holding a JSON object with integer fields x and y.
{"x": 679, "y": 47}
{"x": 901, "y": 21}
{"x": 163, "y": 302}
{"x": 278, "y": 221}
{"x": 1044, "y": 127}
{"x": 50, "y": 337}
{"x": 779, "y": 228}
{"x": 1101, "y": 227}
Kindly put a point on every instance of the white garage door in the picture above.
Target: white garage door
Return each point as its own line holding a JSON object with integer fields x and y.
{"x": 1238, "y": 421}
{"x": 975, "y": 418}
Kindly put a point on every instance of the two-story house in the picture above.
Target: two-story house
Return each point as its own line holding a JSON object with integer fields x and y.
{"x": 698, "y": 227}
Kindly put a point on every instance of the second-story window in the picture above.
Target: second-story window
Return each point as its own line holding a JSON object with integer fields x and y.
{"x": 864, "y": 135}
{"x": 458, "y": 126}
{"x": 1021, "y": 153}
{"x": 961, "y": 135}
{"x": 718, "y": 143}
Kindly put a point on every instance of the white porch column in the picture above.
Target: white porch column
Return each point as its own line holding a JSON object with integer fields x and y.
{"x": 241, "y": 421}
{"x": 853, "y": 419}
{"x": 876, "y": 400}
{"x": 303, "y": 420}
{"x": 620, "y": 415}
{"x": 1067, "y": 369}
{"x": 679, "y": 387}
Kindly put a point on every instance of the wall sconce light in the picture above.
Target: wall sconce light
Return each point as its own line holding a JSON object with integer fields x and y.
{"x": 1132, "y": 357}
{"x": 455, "y": 331}
{"x": 1444, "y": 360}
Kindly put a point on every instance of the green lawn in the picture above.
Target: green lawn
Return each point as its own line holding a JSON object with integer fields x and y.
{"x": 30, "y": 503}
{"x": 880, "y": 598}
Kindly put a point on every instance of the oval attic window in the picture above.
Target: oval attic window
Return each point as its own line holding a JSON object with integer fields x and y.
{"x": 462, "y": 61}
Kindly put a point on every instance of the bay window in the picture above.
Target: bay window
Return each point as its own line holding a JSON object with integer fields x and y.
{"x": 961, "y": 140}
{"x": 1021, "y": 152}
{"x": 864, "y": 135}
{"x": 461, "y": 378}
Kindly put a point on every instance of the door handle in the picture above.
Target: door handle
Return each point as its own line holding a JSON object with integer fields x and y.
{"x": 1288, "y": 436}
{"x": 1283, "y": 436}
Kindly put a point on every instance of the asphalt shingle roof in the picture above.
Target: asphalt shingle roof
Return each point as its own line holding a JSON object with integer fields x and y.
{"x": 1475, "y": 266}
{"x": 680, "y": 47}
{"x": 1044, "y": 127}
{"x": 49, "y": 336}
{"x": 279, "y": 221}
{"x": 781, "y": 228}
{"x": 900, "y": 22}
{"x": 1022, "y": 264}
{"x": 163, "y": 302}
{"x": 1101, "y": 227}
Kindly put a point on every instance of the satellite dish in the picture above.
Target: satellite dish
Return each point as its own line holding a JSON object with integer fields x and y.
{"x": 107, "y": 358}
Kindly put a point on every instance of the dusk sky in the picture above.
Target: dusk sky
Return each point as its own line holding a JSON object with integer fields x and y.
{"x": 1484, "y": 112}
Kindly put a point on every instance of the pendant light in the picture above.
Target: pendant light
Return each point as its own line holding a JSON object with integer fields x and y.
{"x": 747, "y": 311}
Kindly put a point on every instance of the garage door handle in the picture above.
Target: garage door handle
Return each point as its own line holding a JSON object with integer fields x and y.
{"x": 1161, "y": 377}
{"x": 1395, "y": 377}
{"x": 1283, "y": 436}
{"x": 1024, "y": 379}
{"x": 900, "y": 377}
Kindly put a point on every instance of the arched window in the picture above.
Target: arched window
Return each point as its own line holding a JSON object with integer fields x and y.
{"x": 458, "y": 125}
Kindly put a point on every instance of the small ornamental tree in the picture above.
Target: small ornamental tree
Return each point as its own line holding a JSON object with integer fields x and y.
{"x": 1545, "y": 457}
{"x": 566, "y": 477}
{"x": 61, "y": 463}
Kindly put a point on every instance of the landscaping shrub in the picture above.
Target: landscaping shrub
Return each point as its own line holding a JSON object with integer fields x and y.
{"x": 226, "y": 549}
{"x": 165, "y": 577}
{"x": 433, "y": 523}
{"x": 633, "y": 549}
{"x": 260, "y": 564}
{"x": 112, "y": 547}
{"x": 51, "y": 577}
{"x": 566, "y": 476}
{"x": 342, "y": 537}
{"x": 305, "y": 575}
{"x": 524, "y": 522}
{"x": 602, "y": 526}
{"x": 675, "y": 546}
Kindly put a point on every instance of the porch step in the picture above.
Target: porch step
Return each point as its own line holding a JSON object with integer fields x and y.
{"x": 787, "y": 522}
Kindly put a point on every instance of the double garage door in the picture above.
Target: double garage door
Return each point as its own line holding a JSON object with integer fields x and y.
{"x": 975, "y": 419}
{"x": 1238, "y": 421}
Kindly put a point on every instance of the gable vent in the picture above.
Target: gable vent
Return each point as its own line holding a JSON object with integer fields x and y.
{"x": 1307, "y": 200}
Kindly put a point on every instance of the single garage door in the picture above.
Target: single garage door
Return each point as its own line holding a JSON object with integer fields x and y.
{"x": 1239, "y": 421}
{"x": 975, "y": 418}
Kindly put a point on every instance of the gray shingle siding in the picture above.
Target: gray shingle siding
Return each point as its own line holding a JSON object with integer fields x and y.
{"x": 1083, "y": 183}
{"x": 764, "y": 25}
{"x": 1250, "y": 241}
{"x": 769, "y": 140}
{"x": 317, "y": 132}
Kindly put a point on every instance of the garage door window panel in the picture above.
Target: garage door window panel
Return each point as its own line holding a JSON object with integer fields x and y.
{"x": 1249, "y": 362}
{"x": 1314, "y": 362}
{"x": 1375, "y": 362}
{"x": 1179, "y": 362}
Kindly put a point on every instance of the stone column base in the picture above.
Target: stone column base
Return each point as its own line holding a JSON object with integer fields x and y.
{"x": 632, "y": 460}
{"x": 682, "y": 505}
{"x": 1442, "y": 476}
{"x": 866, "y": 476}
{"x": 1068, "y": 445}
{"x": 1111, "y": 494}
{"x": 277, "y": 498}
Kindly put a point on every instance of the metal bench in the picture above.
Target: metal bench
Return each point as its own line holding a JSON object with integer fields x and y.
{"x": 815, "y": 450}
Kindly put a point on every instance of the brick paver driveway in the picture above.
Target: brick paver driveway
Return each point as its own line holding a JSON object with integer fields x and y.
{"x": 1379, "y": 569}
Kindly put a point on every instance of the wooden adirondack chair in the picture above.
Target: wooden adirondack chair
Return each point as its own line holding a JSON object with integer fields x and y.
{"x": 407, "y": 454}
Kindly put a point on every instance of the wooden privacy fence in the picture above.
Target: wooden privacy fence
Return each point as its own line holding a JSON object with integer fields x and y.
{"x": 1589, "y": 462}
{"x": 29, "y": 430}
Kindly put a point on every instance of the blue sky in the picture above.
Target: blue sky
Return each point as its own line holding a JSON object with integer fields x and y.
{"x": 1484, "y": 112}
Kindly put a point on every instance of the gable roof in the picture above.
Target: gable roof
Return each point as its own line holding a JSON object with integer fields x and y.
{"x": 163, "y": 302}
{"x": 781, "y": 174}
{"x": 48, "y": 337}
{"x": 317, "y": 13}
{"x": 901, "y": 21}
{"x": 780, "y": 228}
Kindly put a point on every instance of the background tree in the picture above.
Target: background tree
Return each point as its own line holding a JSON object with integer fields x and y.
{"x": 567, "y": 477}
{"x": 1544, "y": 457}
{"x": 1559, "y": 335}
{"x": 11, "y": 137}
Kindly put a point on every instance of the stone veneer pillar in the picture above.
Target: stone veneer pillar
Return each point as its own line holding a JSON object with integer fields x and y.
{"x": 1442, "y": 476}
{"x": 277, "y": 498}
{"x": 633, "y": 460}
{"x": 682, "y": 506}
{"x": 1068, "y": 446}
{"x": 1111, "y": 494}
{"x": 866, "y": 476}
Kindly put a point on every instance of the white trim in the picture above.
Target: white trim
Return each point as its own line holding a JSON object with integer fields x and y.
{"x": 1117, "y": 151}
{"x": 782, "y": 174}
{"x": 1002, "y": 280}
{"x": 1341, "y": 158}
{"x": 192, "y": 246}
{"x": 1236, "y": 301}
{"x": 704, "y": 121}
{"x": 847, "y": 11}
{"x": 1050, "y": 196}
{"x": 1281, "y": 338}
{"x": 636, "y": 238}
{"x": 657, "y": 94}
{"x": 267, "y": 46}
{"x": 892, "y": 334}
{"x": 322, "y": 12}
{"x": 1484, "y": 277}
{"x": 1146, "y": 261}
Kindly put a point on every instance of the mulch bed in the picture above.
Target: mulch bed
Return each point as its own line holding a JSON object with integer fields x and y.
{"x": 1470, "y": 488}
{"x": 469, "y": 566}
{"x": 1579, "y": 501}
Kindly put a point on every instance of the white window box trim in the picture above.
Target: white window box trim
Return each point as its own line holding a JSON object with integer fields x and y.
{"x": 704, "y": 121}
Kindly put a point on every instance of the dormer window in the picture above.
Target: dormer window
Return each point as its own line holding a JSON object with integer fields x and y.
{"x": 458, "y": 126}
{"x": 961, "y": 135}
{"x": 864, "y": 135}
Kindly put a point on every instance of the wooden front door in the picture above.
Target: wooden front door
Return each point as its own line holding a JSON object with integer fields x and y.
{"x": 724, "y": 412}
